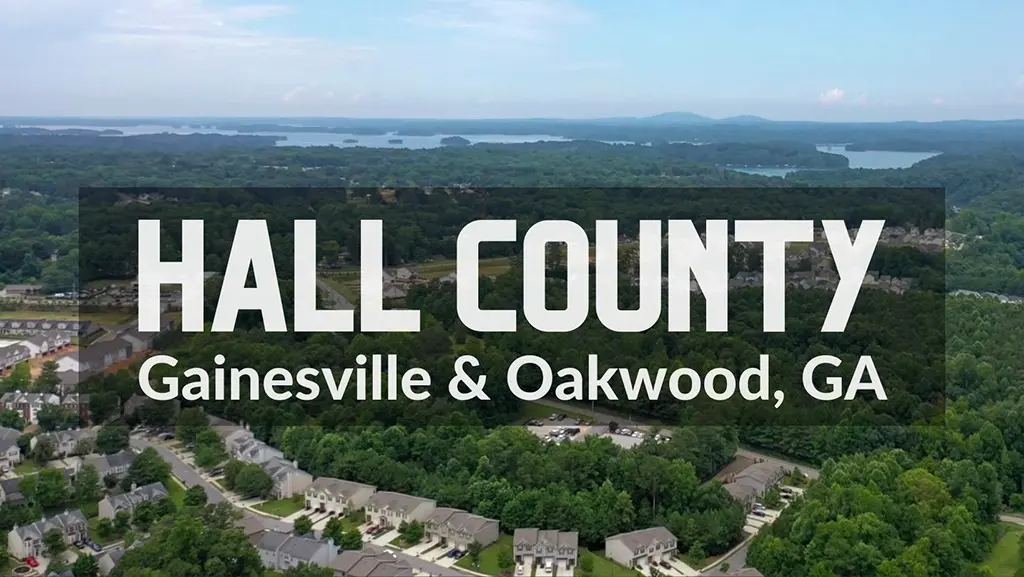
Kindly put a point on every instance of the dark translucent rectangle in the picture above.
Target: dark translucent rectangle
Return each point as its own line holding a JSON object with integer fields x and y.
{"x": 898, "y": 320}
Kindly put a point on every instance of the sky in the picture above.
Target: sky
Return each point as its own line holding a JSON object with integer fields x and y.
{"x": 825, "y": 60}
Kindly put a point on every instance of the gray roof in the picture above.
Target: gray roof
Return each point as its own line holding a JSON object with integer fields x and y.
{"x": 459, "y": 520}
{"x": 302, "y": 548}
{"x": 12, "y": 490}
{"x": 644, "y": 537}
{"x": 741, "y": 492}
{"x": 97, "y": 351}
{"x": 338, "y": 487}
{"x": 14, "y": 351}
{"x": 370, "y": 562}
{"x": 8, "y": 438}
{"x": 279, "y": 469}
{"x": 29, "y": 398}
{"x": 762, "y": 473}
{"x": 556, "y": 538}
{"x": 60, "y": 522}
{"x": 397, "y": 501}
{"x": 70, "y": 437}
{"x": 108, "y": 462}
{"x": 128, "y": 501}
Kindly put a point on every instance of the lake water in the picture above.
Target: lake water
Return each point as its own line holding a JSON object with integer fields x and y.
{"x": 330, "y": 139}
{"x": 858, "y": 159}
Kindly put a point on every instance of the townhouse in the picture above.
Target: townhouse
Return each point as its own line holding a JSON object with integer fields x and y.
{"x": 27, "y": 541}
{"x": 458, "y": 529}
{"x": 370, "y": 563}
{"x": 68, "y": 443}
{"x": 114, "y": 466}
{"x": 10, "y": 492}
{"x": 20, "y": 290}
{"x": 97, "y": 356}
{"x": 643, "y": 548}
{"x": 111, "y": 505}
{"x": 392, "y": 509}
{"x": 289, "y": 479}
{"x": 48, "y": 343}
{"x": 32, "y": 327}
{"x": 752, "y": 483}
{"x": 27, "y": 404}
{"x": 10, "y": 452}
{"x": 548, "y": 549}
{"x": 109, "y": 559}
{"x": 281, "y": 551}
{"x": 77, "y": 403}
{"x": 337, "y": 496}
{"x": 11, "y": 355}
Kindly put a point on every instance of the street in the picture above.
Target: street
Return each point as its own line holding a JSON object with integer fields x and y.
{"x": 338, "y": 300}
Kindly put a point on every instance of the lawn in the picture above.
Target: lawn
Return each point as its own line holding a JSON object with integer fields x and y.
{"x": 605, "y": 568}
{"x": 282, "y": 507}
{"x": 353, "y": 520}
{"x": 95, "y": 535}
{"x": 1005, "y": 558}
{"x": 26, "y": 468}
{"x": 177, "y": 492}
{"x": 488, "y": 557}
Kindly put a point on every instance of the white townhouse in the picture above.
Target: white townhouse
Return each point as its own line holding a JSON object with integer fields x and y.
{"x": 392, "y": 509}
{"x": 547, "y": 549}
{"x": 27, "y": 541}
{"x": 643, "y": 548}
{"x": 457, "y": 528}
{"x": 337, "y": 496}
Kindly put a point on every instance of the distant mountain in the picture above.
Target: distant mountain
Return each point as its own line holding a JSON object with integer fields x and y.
{"x": 744, "y": 119}
{"x": 680, "y": 117}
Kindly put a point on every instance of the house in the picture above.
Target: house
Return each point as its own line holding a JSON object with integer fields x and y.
{"x": 31, "y": 327}
{"x": 10, "y": 492}
{"x": 391, "y": 509}
{"x": 252, "y": 450}
{"x": 10, "y": 452}
{"x": 250, "y": 525}
{"x": 66, "y": 443}
{"x": 20, "y": 290}
{"x": 100, "y": 356}
{"x": 337, "y": 496}
{"x": 370, "y": 562}
{"x": 115, "y": 465}
{"x": 143, "y": 341}
{"x": 289, "y": 479}
{"x": 47, "y": 343}
{"x": 27, "y": 404}
{"x": 69, "y": 379}
{"x": 282, "y": 551}
{"x": 548, "y": 549}
{"x": 11, "y": 355}
{"x": 109, "y": 559}
{"x": 643, "y": 548}
{"x": 78, "y": 404}
{"x": 753, "y": 482}
{"x": 458, "y": 529}
{"x": 27, "y": 541}
{"x": 111, "y": 505}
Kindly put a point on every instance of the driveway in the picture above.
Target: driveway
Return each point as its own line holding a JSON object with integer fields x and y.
{"x": 386, "y": 538}
{"x": 446, "y": 561}
{"x": 682, "y": 568}
{"x": 423, "y": 550}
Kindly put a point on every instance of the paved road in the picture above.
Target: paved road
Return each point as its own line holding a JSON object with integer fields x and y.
{"x": 190, "y": 477}
{"x": 1012, "y": 519}
{"x": 337, "y": 299}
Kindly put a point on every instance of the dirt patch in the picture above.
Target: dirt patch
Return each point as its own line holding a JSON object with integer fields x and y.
{"x": 738, "y": 464}
{"x": 35, "y": 365}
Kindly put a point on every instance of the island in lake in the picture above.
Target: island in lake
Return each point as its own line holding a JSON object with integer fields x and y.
{"x": 454, "y": 141}
{"x": 395, "y": 141}
{"x": 350, "y": 141}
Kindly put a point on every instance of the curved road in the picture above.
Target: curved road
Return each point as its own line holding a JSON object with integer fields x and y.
{"x": 337, "y": 299}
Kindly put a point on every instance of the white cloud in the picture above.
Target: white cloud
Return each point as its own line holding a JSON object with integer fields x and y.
{"x": 134, "y": 57}
{"x": 832, "y": 96}
{"x": 519, "y": 20}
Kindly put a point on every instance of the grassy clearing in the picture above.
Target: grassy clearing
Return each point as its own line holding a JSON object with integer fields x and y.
{"x": 26, "y": 468}
{"x": 282, "y": 507}
{"x": 176, "y": 492}
{"x": 110, "y": 317}
{"x": 1005, "y": 559}
{"x": 488, "y": 557}
{"x": 353, "y": 520}
{"x": 347, "y": 281}
{"x": 605, "y": 567}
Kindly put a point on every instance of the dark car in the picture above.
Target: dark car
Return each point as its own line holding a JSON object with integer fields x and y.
{"x": 95, "y": 547}
{"x": 665, "y": 564}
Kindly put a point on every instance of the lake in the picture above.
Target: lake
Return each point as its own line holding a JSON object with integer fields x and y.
{"x": 327, "y": 138}
{"x": 858, "y": 159}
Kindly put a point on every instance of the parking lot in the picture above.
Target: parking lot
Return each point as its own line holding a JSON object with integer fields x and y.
{"x": 760, "y": 515}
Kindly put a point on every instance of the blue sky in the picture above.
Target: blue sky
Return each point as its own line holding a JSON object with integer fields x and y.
{"x": 783, "y": 59}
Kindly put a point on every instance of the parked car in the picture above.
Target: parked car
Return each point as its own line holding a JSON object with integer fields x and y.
{"x": 757, "y": 513}
{"x": 665, "y": 564}
{"x": 459, "y": 554}
{"x": 32, "y": 562}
